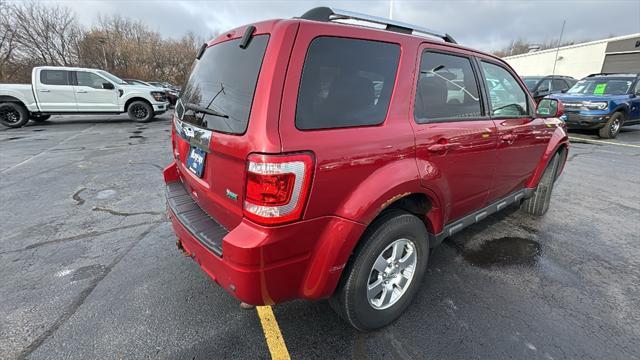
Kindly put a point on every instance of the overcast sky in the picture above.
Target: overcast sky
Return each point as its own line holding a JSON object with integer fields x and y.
{"x": 486, "y": 25}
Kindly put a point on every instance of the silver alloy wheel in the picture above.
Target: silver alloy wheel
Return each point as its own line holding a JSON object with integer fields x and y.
{"x": 615, "y": 126}
{"x": 391, "y": 274}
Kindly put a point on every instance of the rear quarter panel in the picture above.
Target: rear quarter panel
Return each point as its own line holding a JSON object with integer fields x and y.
{"x": 357, "y": 169}
{"x": 21, "y": 92}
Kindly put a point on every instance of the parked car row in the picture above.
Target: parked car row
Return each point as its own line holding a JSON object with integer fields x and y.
{"x": 171, "y": 91}
{"x": 605, "y": 102}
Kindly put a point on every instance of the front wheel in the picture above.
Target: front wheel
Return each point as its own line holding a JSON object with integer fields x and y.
{"x": 538, "y": 204}
{"x": 13, "y": 115}
{"x": 385, "y": 272}
{"x": 140, "y": 111}
{"x": 612, "y": 127}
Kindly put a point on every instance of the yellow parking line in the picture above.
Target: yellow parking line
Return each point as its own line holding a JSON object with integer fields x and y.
{"x": 602, "y": 142}
{"x": 275, "y": 341}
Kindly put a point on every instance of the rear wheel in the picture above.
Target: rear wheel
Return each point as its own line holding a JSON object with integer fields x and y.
{"x": 385, "y": 272}
{"x": 538, "y": 204}
{"x": 13, "y": 115}
{"x": 612, "y": 127}
{"x": 140, "y": 111}
{"x": 39, "y": 118}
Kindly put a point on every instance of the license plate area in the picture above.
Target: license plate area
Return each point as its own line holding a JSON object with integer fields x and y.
{"x": 195, "y": 161}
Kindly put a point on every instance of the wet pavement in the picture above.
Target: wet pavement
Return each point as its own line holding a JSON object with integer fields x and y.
{"x": 90, "y": 270}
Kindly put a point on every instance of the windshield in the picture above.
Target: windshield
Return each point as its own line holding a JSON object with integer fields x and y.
{"x": 112, "y": 77}
{"x": 224, "y": 80}
{"x": 601, "y": 87}
{"x": 530, "y": 83}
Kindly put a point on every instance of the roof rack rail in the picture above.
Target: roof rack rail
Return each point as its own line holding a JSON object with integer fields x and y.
{"x": 327, "y": 14}
{"x": 613, "y": 73}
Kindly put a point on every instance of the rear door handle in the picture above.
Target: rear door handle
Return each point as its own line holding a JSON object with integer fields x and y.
{"x": 509, "y": 138}
{"x": 440, "y": 148}
{"x": 44, "y": 90}
{"x": 81, "y": 91}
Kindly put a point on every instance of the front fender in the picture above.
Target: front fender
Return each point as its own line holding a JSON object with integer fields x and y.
{"x": 559, "y": 139}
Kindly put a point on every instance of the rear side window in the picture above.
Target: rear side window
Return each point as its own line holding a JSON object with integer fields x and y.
{"x": 345, "y": 83}
{"x": 224, "y": 80}
{"x": 506, "y": 97}
{"x": 54, "y": 77}
{"x": 447, "y": 88}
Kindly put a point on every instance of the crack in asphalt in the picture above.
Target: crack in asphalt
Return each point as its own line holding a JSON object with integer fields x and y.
{"x": 122, "y": 213}
{"x": 77, "y": 198}
{"x": 80, "y": 236}
{"x": 75, "y": 305}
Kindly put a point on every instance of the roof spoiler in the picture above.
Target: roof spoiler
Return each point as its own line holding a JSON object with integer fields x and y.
{"x": 328, "y": 14}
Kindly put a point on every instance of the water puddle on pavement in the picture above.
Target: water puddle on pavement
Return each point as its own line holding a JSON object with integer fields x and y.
{"x": 504, "y": 251}
{"x": 87, "y": 272}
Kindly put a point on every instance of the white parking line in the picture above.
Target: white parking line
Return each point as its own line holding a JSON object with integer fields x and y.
{"x": 602, "y": 142}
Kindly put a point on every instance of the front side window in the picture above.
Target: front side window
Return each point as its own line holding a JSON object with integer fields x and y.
{"x": 559, "y": 85}
{"x": 224, "y": 80}
{"x": 447, "y": 88}
{"x": 345, "y": 83}
{"x": 506, "y": 97}
{"x": 89, "y": 79}
{"x": 54, "y": 77}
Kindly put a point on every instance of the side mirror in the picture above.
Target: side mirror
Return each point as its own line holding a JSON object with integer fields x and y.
{"x": 549, "y": 108}
{"x": 108, "y": 86}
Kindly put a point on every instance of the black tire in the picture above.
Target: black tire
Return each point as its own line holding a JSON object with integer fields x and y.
{"x": 39, "y": 118}
{"x": 612, "y": 128}
{"x": 140, "y": 111}
{"x": 13, "y": 115}
{"x": 350, "y": 299}
{"x": 538, "y": 204}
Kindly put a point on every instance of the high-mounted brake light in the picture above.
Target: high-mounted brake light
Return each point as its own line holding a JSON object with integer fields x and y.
{"x": 277, "y": 187}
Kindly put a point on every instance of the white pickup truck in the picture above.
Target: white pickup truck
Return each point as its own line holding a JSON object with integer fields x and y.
{"x": 67, "y": 90}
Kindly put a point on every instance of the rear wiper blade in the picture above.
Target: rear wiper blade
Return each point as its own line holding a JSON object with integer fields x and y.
{"x": 204, "y": 110}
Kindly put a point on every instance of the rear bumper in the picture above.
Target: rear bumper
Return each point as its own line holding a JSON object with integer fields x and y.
{"x": 263, "y": 265}
{"x": 581, "y": 121}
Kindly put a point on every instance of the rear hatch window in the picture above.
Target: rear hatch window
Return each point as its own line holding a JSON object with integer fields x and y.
{"x": 223, "y": 80}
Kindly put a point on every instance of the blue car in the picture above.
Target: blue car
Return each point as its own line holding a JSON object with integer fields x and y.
{"x": 603, "y": 102}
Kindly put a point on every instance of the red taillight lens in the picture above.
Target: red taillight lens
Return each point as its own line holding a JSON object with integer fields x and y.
{"x": 269, "y": 190}
{"x": 277, "y": 187}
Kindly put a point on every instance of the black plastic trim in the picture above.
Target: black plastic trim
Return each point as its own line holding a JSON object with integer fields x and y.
{"x": 456, "y": 226}
{"x": 201, "y": 226}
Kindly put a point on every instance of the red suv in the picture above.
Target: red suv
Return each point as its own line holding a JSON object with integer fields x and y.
{"x": 317, "y": 159}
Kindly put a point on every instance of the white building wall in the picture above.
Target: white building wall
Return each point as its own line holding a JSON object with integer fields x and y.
{"x": 577, "y": 60}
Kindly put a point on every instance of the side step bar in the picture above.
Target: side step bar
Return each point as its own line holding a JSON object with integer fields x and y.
{"x": 475, "y": 217}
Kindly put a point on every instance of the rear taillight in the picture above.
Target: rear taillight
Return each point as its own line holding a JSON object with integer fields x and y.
{"x": 277, "y": 187}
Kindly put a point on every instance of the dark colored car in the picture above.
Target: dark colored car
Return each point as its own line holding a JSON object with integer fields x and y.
{"x": 541, "y": 86}
{"x": 172, "y": 92}
{"x": 603, "y": 102}
{"x": 315, "y": 159}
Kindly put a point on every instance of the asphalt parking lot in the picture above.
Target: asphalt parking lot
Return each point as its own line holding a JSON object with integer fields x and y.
{"x": 89, "y": 266}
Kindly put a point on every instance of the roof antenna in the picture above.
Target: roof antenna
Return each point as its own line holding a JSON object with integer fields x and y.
{"x": 555, "y": 59}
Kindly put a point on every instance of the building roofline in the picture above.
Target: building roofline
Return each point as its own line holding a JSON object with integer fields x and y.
{"x": 623, "y": 37}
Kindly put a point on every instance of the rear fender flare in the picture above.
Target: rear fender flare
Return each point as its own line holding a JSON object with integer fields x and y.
{"x": 333, "y": 250}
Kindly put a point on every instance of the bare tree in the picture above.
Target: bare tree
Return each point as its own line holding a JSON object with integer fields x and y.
{"x": 48, "y": 34}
